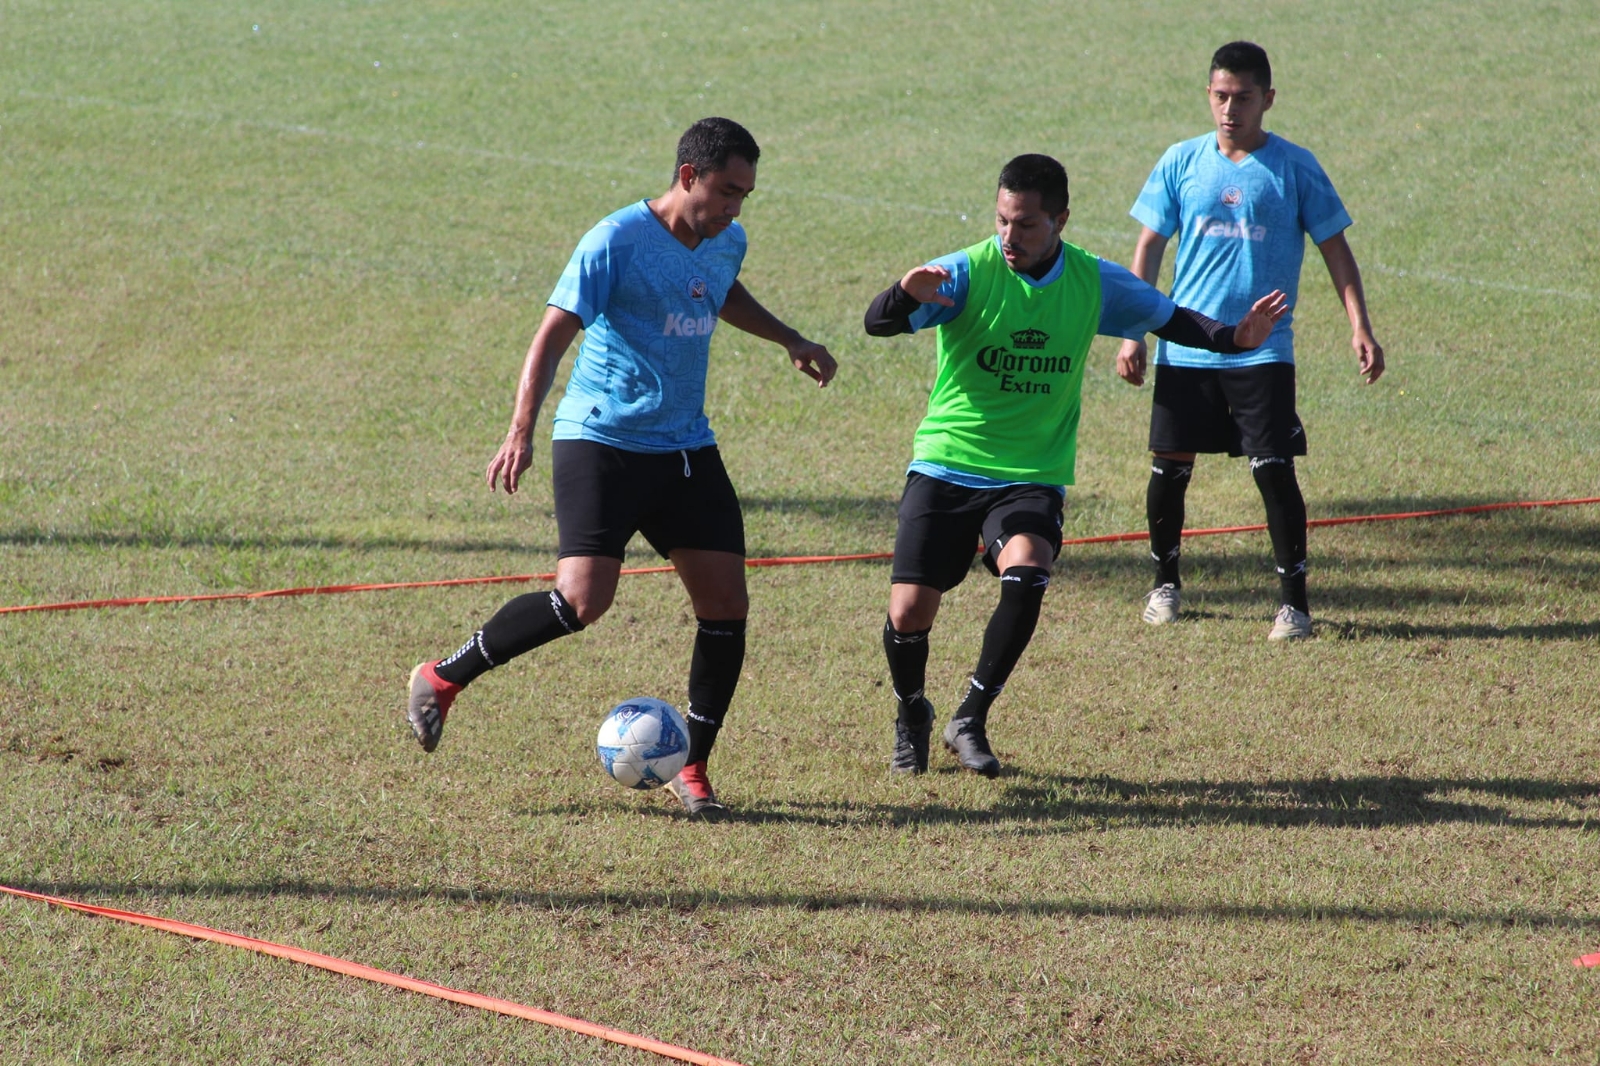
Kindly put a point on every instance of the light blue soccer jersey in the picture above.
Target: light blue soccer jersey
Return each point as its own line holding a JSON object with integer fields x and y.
{"x": 648, "y": 306}
{"x": 1241, "y": 230}
{"x": 1128, "y": 308}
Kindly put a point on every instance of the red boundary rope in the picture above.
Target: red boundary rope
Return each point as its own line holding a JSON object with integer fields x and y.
{"x": 792, "y": 560}
{"x": 384, "y": 977}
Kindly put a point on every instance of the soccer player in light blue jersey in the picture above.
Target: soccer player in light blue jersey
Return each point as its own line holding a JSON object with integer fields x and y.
{"x": 1241, "y": 202}
{"x": 632, "y": 450}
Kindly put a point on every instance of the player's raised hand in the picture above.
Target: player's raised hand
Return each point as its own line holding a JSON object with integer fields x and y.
{"x": 1132, "y": 359}
{"x": 922, "y": 285}
{"x": 814, "y": 361}
{"x": 1264, "y": 314}
{"x": 508, "y": 464}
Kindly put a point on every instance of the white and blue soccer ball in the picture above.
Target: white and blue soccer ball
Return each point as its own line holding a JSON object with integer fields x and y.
{"x": 643, "y": 743}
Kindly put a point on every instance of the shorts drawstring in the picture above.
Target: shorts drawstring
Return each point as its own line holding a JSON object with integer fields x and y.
{"x": 685, "y": 455}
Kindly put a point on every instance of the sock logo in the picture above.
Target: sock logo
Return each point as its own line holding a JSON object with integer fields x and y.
{"x": 1258, "y": 463}
{"x": 692, "y": 715}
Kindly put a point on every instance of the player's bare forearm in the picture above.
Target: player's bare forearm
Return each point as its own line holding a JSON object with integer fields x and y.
{"x": 1134, "y": 355}
{"x": 1346, "y": 277}
{"x": 554, "y": 336}
{"x": 744, "y": 312}
{"x": 1148, "y": 251}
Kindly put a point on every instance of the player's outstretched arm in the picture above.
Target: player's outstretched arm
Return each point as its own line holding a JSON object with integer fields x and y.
{"x": 551, "y": 341}
{"x": 1191, "y": 329}
{"x": 1254, "y": 327}
{"x": 743, "y": 311}
{"x": 1133, "y": 357}
{"x": 1346, "y": 277}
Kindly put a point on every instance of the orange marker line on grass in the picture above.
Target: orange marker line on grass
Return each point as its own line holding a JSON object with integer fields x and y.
{"x": 788, "y": 560}
{"x": 384, "y": 977}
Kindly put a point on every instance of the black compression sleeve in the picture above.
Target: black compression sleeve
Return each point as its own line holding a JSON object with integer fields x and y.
{"x": 1193, "y": 330}
{"x": 890, "y": 313}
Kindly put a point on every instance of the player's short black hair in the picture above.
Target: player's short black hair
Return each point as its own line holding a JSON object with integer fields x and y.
{"x": 1040, "y": 174}
{"x": 1244, "y": 57}
{"x": 711, "y": 142}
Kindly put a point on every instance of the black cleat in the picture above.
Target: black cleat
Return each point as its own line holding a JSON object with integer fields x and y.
{"x": 966, "y": 740}
{"x": 911, "y": 742}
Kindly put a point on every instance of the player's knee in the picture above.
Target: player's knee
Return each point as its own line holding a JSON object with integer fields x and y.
{"x": 913, "y": 614}
{"x": 730, "y": 604}
{"x": 589, "y": 603}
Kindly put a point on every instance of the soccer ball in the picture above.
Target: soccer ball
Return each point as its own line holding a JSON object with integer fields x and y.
{"x": 643, "y": 743}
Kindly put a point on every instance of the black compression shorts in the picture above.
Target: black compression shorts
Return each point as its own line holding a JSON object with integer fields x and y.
{"x": 605, "y": 495}
{"x": 1246, "y": 411}
{"x": 940, "y": 525}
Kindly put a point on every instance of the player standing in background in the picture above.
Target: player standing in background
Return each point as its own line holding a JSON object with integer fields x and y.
{"x": 633, "y": 450}
{"x": 1241, "y": 201}
{"x": 1014, "y": 317}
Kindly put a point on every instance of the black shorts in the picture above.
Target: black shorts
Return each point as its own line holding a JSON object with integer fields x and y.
{"x": 940, "y": 524}
{"x": 605, "y": 495}
{"x": 1247, "y": 411}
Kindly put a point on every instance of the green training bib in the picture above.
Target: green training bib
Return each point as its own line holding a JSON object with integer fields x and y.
{"x": 1008, "y": 393}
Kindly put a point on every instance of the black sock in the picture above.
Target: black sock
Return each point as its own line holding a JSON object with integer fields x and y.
{"x": 1163, "y": 508}
{"x": 1286, "y": 525}
{"x": 713, "y": 675}
{"x": 908, "y": 667}
{"x": 1010, "y": 628}
{"x": 521, "y": 625}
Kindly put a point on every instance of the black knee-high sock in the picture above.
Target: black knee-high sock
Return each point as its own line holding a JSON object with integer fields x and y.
{"x": 908, "y": 666}
{"x": 1010, "y": 628}
{"x": 1163, "y": 508}
{"x": 1286, "y": 524}
{"x": 521, "y": 625}
{"x": 713, "y": 675}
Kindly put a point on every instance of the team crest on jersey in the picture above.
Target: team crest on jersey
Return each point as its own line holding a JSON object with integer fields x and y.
{"x": 1030, "y": 338}
{"x": 1232, "y": 196}
{"x": 697, "y": 288}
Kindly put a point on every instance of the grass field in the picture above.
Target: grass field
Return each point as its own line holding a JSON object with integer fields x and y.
{"x": 267, "y": 274}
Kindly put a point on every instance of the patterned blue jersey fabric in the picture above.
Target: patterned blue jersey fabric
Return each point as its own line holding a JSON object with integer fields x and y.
{"x": 648, "y": 306}
{"x": 1241, "y": 230}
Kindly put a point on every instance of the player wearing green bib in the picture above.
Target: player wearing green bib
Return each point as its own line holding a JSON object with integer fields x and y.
{"x": 1015, "y": 316}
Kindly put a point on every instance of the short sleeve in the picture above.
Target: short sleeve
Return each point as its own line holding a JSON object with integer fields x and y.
{"x": 1128, "y": 306}
{"x": 934, "y": 314}
{"x": 1322, "y": 213}
{"x": 585, "y": 285}
{"x": 1157, "y": 205}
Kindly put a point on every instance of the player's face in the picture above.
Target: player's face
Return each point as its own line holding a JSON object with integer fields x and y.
{"x": 717, "y": 196}
{"x": 1028, "y": 234}
{"x": 1238, "y": 106}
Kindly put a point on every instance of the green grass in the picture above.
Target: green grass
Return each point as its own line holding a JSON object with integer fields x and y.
{"x": 264, "y": 306}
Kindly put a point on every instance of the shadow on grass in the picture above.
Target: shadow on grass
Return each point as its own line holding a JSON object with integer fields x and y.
{"x": 130, "y": 894}
{"x": 1039, "y": 804}
{"x": 33, "y": 537}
